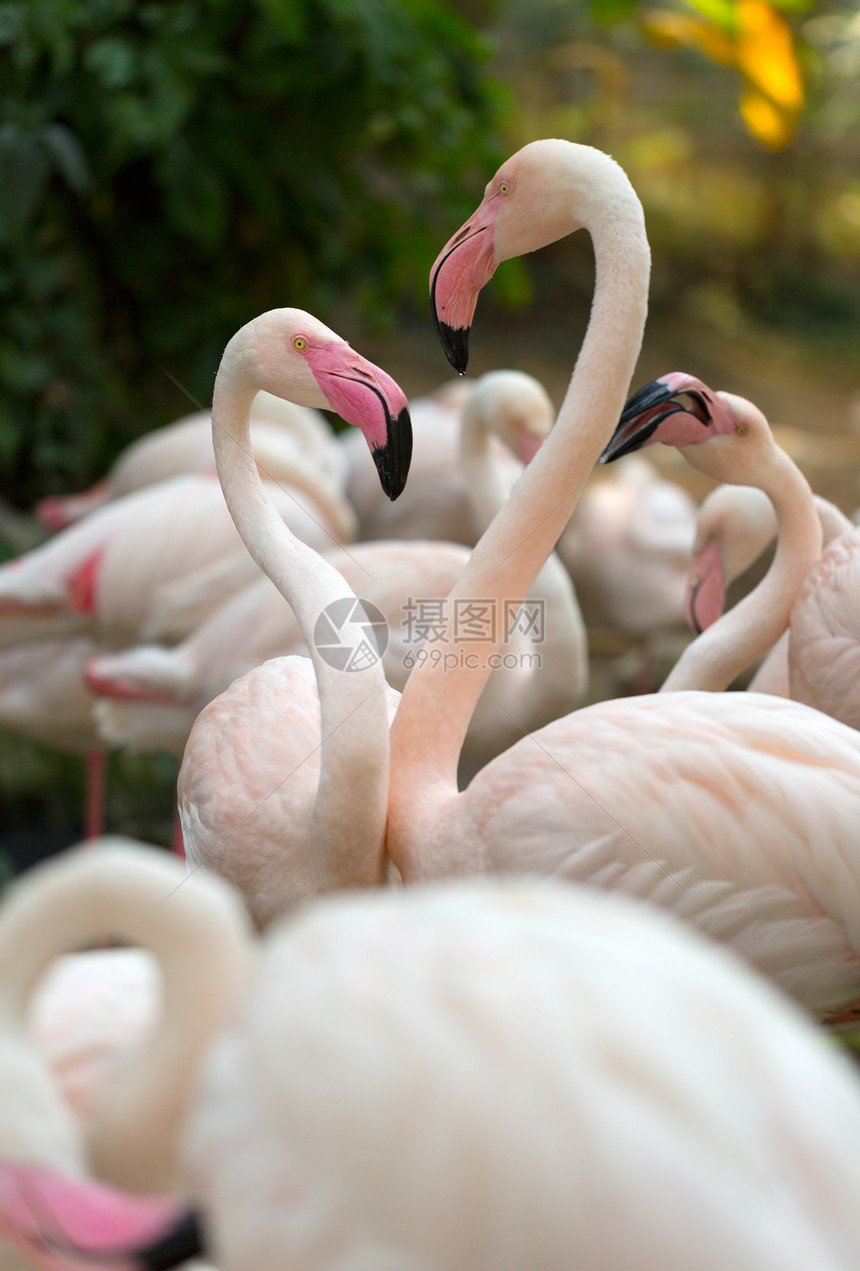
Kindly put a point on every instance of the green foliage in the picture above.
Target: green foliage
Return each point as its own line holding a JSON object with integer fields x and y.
{"x": 171, "y": 168}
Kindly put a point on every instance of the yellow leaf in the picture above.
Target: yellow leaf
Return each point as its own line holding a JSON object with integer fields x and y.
{"x": 662, "y": 26}
{"x": 768, "y": 123}
{"x": 766, "y": 54}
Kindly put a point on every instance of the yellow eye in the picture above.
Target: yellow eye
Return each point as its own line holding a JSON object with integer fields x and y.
{"x": 503, "y": 187}
{"x": 300, "y": 343}
{"x": 741, "y": 430}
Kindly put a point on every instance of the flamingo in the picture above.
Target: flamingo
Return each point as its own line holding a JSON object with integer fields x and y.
{"x": 737, "y": 811}
{"x": 256, "y": 624}
{"x": 627, "y": 548}
{"x": 278, "y": 430}
{"x": 335, "y": 785}
{"x": 734, "y": 526}
{"x": 680, "y": 410}
{"x": 823, "y": 637}
{"x": 468, "y": 1075}
{"x": 817, "y": 597}
{"x": 105, "y": 574}
{"x": 438, "y": 504}
{"x": 43, "y": 696}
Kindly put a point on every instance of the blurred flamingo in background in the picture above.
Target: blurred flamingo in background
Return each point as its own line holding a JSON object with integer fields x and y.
{"x": 278, "y": 430}
{"x": 106, "y": 574}
{"x": 43, "y": 696}
{"x": 627, "y": 547}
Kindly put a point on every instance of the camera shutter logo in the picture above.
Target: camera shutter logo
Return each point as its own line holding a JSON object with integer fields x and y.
{"x": 351, "y": 634}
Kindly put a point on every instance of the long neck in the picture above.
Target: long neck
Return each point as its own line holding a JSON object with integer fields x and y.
{"x": 486, "y": 482}
{"x": 198, "y": 934}
{"x": 755, "y": 624}
{"x": 549, "y": 646}
{"x": 353, "y": 787}
{"x": 439, "y": 699}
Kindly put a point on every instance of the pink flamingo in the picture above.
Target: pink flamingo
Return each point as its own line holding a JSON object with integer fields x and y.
{"x": 815, "y": 607}
{"x": 737, "y": 811}
{"x": 824, "y": 636}
{"x": 735, "y": 524}
{"x": 43, "y": 696}
{"x": 679, "y": 410}
{"x": 107, "y": 573}
{"x": 567, "y": 1037}
{"x": 278, "y": 430}
{"x": 330, "y": 765}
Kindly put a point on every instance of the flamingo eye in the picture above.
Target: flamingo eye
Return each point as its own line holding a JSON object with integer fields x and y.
{"x": 741, "y": 430}
{"x": 300, "y": 343}
{"x": 503, "y": 187}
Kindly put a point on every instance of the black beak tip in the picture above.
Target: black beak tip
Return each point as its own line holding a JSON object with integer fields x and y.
{"x": 455, "y": 342}
{"x": 393, "y": 459}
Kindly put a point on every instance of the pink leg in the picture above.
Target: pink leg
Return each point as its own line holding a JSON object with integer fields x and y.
{"x": 94, "y": 795}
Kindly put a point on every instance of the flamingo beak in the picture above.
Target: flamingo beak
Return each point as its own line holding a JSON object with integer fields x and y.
{"x": 706, "y": 589}
{"x": 464, "y": 265}
{"x": 63, "y": 1223}
{"x": 366, "y": 396}
{"x": 643, "y": 420}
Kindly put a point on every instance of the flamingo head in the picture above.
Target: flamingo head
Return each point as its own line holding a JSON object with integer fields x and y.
{"x": 734, "y": 525}
{"x": 719, "y": 434}
{"x": 516, "y": 407}
{"x": 706, "y": 587}
{"x": 61, "y": 1222}
{"x": 545, "y": 191}
{"x": 292, "y": 355}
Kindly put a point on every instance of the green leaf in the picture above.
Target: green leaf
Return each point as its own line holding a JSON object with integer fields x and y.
{"x": 68, "y": 155}
{"x": 113, "y": 61}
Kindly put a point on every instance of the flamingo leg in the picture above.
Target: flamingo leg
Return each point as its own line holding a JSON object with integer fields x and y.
{"x": 94, "y": 794}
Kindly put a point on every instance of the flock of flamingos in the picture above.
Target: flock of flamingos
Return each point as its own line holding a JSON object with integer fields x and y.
{"x": 502, "y": 1043}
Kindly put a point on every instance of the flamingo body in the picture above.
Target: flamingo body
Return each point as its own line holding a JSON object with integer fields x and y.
{"x": 824, "y": 653}
{"x": 494, "y": 1074}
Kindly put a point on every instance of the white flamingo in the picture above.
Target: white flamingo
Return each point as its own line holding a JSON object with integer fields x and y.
{"x": 279, "y": 430}
{"x": 473, "y": 1076}
{"x": 738, "y": 811}
{"x": 107, "y": 574}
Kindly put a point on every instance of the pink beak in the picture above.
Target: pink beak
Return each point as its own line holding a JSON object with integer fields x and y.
{"x": 364, "y": 395}
{"x": 464, "y": 265}
{"x": 66, "y": 1224}
{"x": 706, "y": 589}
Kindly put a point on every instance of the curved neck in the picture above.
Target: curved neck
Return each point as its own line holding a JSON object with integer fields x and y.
{"x": 833, "y": 520}
{"x": 486, "y": 486}
{"x": 438, "y": 701}
{"x": 198, "y": 934}
{"x": 754, "y": 625}
{"x": 354, "y": 718}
